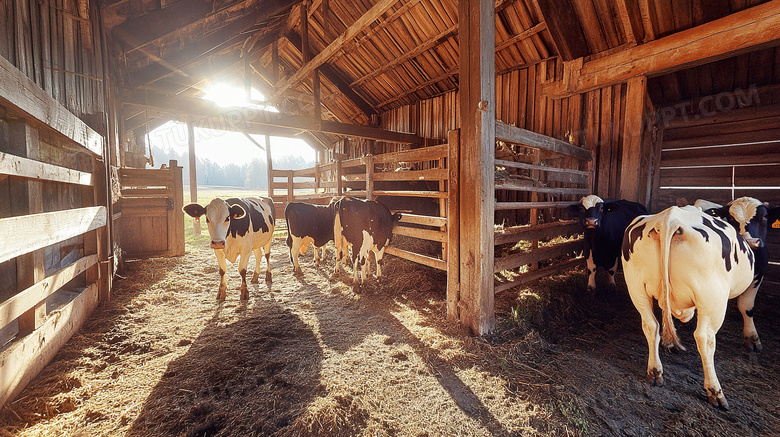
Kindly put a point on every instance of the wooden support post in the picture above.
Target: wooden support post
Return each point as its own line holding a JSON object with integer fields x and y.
{"x": 339, "y": 185}
{"x": 100, "y": 194}
{"x": 369, "y": 177}
{"x": 28, "y": 199}
{"x": 453, "y": 227}
{"x": 290, "y": 186}
{"x": 534, "y": 219}
{"x": 175, "y": 221}
{"x": 193, "y": 171}
{"x": 443, "y": 205}
{"x": 478, "y": 130}
{"x": 631, "y": 162}
{"x": 270, "y": 165}
{"x": 275, "y": 62}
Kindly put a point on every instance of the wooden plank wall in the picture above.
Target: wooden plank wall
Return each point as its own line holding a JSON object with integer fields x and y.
{"x": 593, "y": 119}
{"x": 52, "y": 44}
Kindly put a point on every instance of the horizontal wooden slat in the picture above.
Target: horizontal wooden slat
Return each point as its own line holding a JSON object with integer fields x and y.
{"x": 502, "y": 206}
{"x": 147, "y": 192}
{"x": 719, "y": 117}
{"x": 772, "y": 135}
{"x": 423, "y": 220}
{"x": 423, "y": 234}
{"x": 725, "y": 128}
{"x": 23, "y": 234}
{"x": 757, "y": 176}
{"x": 305, "y": 172}
{"x": 538, "y": 232}
{"x": 523, "y": 165}
{"x": 416, "y": 257}
{"x": 696, "y": 177}
{"x": 520, "y": 259}
{"x": 725, "y": 155}
{"x": 668, "y": 197}
{"x": 357, "y": 177}
{"x": 512, "y": 186}
{"x": 356, "y": 162}
{"x": 296, "y": 185}
{"x": 539, "y": 273}
{"x": 29, "y": 298}
{"x": 328, "y": 167}
{"x": 411, "y": 175}
{"x": 19, "y": 91}
{"x": 27, "y": 168}
{"x": 422, "y": 154}
{"x": 433, "y": 194}
{"x": 512, "y": 134}
{"x": 129, "y": 177}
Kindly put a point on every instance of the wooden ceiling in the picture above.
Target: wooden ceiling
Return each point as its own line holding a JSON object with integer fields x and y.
{"x": 408, "y": 52}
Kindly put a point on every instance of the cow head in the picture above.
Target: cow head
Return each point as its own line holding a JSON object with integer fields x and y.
{"x": 748, "y": 216}
{"x": 218, "y": 215}
{"x": 590, "y": 210}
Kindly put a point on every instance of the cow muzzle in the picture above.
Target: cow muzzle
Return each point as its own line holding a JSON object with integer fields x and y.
{"x": 590, "y": 223}
{"x": 754, "y": 243}
{"x": 217, "y": 244}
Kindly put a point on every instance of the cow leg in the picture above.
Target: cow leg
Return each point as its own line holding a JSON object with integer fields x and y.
{"x": 258, "y": 257}
{"x": 612, "y": 272}
{"x": 591, "y": 273}
{"x": 707, "y": 327}
{"x": 220, "y": 254}
{"x": 650, "y": 326}
{"x": 242, "y": 264}
{"x": 355, "y": 261}
{"x": 745, "y": 303}
{"x": 267, "y": 252}
{"x": 379, "y": 255}
{"x": 297, "y": 242}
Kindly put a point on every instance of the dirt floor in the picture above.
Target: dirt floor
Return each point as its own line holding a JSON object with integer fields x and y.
{"x": 307, "y": 356}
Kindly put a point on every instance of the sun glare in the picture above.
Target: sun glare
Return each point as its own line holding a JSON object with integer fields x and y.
{"x": 227, "y": 95}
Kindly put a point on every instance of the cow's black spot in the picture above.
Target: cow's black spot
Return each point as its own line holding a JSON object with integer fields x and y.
{"x": 703, "y": 233}
{"x": 749, "y": 312}
{"x": 633, "y": 233}
{"x": 725, "y": 242}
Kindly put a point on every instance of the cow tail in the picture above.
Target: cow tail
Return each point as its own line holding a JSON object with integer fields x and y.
{"x": 289, "y": 237}
{"x": 668, "y": 332}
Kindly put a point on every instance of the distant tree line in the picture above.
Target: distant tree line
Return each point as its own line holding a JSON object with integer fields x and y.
{"x": 253, "y": 175}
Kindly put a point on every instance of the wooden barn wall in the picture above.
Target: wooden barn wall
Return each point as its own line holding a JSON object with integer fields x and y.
{"x": 593, "y": 120}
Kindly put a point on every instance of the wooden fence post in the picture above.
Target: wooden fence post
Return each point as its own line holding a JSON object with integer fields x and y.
{"x": 453, "y": 227}
{"x": 339, "y": 187}
{"x": 175, "y": 221}
{"x": 369, "y": 177}
{"x": 290, "y": 186}
{"x": 193, "y": 171}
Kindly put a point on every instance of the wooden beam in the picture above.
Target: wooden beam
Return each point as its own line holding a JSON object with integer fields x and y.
{"x": 521, "y": 36}
{"x": 358, "y": 26}
{"x": 23, "y": 234}
{"x": 742, "y": 32}
{"x": 528, "y": 138}
{"x": 631, "y": 161}
{"x": 565, "y": 28}
{"x": 13, "y": 165}
{"x": 476, "y": 33}
{"x": 631, "y": 20}
{"x": 19, "y": 91}
{"x": 253, "y": 120}
{"x": 409, "y": 55}
{"x": 139, "y": 31}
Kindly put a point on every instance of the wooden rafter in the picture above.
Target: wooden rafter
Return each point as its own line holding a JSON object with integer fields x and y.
{"x": 253, "y": 120}
{"x": 358, "y": 26}
{"x": 139, "y": 31}
{"x": 742, "y": 32}
{"x": 521, "y": 36}
{"x": 565, "y": 28}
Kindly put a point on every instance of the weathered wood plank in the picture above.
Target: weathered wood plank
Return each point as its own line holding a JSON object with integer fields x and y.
{"x": 537, "y": 232}
{"x": 423, "y": 220}
{"x": 423, "y": 154}
{"x": 423, "y": 234}
{"x": 412, "y": 175}
{"x": 23, "y": 234}
{"x": 509, "y": 185}
{"x": 416, "y": 257}
{"x": 520, "y": 259}
{"x": 540, "y": 273}
{"x": 28, "y": 168}
{"x": 500, "y": 206}
{"x": 18, "y": 90}
{"x": 528, "y": 138}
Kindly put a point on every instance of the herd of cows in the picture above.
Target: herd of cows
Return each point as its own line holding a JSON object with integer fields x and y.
{"x": 690, "y": 258}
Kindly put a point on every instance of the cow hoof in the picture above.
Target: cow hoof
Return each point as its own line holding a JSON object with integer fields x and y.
{"x": 222, "y": 294}
{"x": 298, "y": 272}
{"x": 753, "y": 344}
{"x": 656, "y": 377}
{"x": 716, "y": 398}
{"x": 267, "y": 276}
{"x": 254, "y": 278}
{"x": 356, "y": 288}
{"x": 591, "y": 289}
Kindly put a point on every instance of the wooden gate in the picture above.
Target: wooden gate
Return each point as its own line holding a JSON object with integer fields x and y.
{"x": 151, "y": 219}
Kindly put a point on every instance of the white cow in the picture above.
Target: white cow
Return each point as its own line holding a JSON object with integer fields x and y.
{"x": 688, "y": 261}
{"x": 238, "y": 227}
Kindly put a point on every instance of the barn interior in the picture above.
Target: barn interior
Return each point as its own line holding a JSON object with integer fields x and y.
{"x": 500, "y": 114}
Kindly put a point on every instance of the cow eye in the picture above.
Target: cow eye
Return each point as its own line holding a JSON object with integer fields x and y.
{"x": 207, "y": 219}
{"x": 227, "y": 219}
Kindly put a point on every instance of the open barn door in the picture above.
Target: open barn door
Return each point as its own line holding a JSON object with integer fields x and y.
{"x": 151, "y": 217}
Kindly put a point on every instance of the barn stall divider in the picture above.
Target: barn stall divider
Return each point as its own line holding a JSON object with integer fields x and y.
{"x": 550, "y": 172}
{"x": 54, "y": 238}
{"x": 394, "y": 178}
{"x": 149, "y": 208}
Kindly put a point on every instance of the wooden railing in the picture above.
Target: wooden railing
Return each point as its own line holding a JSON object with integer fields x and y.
{"x": 54, "y": 264}
{"x": 543, "y": 181}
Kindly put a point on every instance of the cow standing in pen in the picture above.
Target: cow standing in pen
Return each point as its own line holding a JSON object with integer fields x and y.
{"x": 238, "y": 227}
{"x": 604, "y": 222}
{"x": 365, "y": 225}
{"x": 688, "y": 261}
{"x": 308, "y": 224}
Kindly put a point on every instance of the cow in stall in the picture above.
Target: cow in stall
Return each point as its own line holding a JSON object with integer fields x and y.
{"x": 238, "y": 227}
{"x": 308, "y": 224}
{"x": 365, "y": 225}
{"x": 688, "y": 261}
{"x": 604, "y": 222}
{"x": 751, "y": 219}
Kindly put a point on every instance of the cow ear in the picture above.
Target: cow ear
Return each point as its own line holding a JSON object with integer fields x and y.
{"x": 194, "y": 210}
{"x": 722, "y": 212}
{"x": 611, "y": 206}
{"x": 573, "y": 211}
{"x": 237, "y": 212}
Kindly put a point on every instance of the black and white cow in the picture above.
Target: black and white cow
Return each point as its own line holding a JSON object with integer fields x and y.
{"x": 364, "y": 225}
{"x": 751, "y": 219}
{"x": 689, "y": 262}
{"x": 604, "y": 222}
{"x": 238, "y": 227}
{"x": 308, "y": 224}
